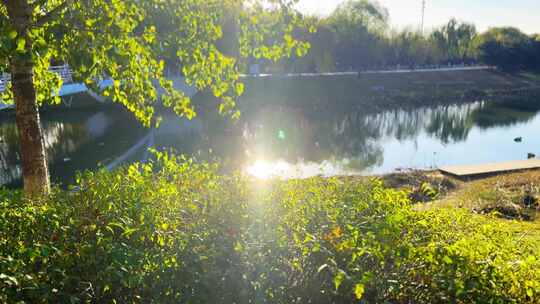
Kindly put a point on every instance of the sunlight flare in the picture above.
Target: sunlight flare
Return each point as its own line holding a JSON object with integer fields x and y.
{"x": 265, "y": 170}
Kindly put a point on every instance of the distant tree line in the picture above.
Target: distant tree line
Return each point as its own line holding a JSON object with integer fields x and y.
{"x": 509, "y": 48}
{"x": 357, "y": 36}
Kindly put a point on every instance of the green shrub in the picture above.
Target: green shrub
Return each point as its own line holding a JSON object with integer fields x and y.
{"x": 176, "y": 231}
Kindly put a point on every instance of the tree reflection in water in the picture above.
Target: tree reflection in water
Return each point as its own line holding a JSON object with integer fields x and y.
{"x": 350, "y": 141}
{"x": 74, "y": 140}
{"x": 287, "y": 140}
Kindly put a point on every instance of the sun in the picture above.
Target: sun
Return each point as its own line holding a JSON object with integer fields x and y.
{"x": 265, "y": 170}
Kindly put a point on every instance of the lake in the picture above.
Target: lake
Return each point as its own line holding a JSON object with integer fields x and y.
{"x": 288, "y": 140}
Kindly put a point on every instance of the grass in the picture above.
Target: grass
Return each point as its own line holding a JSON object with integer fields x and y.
{"x": 374, "y": 92}
{"x": 521, "y": 190}
{"x": 510, "y": 200}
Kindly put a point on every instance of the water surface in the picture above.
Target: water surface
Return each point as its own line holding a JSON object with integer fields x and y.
{"x": 288, "y": 141}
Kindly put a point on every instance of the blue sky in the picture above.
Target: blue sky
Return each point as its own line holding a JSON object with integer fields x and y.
{"x": 524, "y": 14}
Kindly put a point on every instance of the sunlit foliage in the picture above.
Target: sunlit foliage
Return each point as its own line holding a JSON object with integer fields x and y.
{"x": 175, "y": 231}
{"x": 134, "y": 42}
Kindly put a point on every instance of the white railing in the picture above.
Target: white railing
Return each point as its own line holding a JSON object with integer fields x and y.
{"x": 63, "y": 70}
{"x": 5, "y": 78}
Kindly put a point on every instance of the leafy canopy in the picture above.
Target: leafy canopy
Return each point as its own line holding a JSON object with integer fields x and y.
{"x": 455, "y": 38}
{"x": 130, "y": 40}
{"x": 507, "y": 47}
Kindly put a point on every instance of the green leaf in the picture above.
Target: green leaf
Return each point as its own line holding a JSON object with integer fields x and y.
{"x": 12, "y": 34}
{"x": 129, "y": 231}
{"x": 338, "y": 279}
{"x": 239, "y": 89}
{"x": 359, "y": 290}
{"x": 447, "y": 260}
{"x": 21, "y": 43}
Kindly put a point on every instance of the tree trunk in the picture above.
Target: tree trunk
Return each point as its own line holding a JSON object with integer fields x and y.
{"x": 34, "y": 160}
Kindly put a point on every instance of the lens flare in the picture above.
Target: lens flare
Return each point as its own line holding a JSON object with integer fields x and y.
{"x": 266, "y": 170}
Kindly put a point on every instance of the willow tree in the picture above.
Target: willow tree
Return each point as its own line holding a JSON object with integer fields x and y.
{"x": 358, "y": 26}
{"x": 127, "y": 40}
{"x": 455, "y": 39}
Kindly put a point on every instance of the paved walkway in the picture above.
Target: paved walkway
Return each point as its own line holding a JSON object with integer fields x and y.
{"x": 466, "y": 171}
{"x": 400, "y": 71}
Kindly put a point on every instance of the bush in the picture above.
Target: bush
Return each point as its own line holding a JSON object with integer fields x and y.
{"x": 176, "y": 231}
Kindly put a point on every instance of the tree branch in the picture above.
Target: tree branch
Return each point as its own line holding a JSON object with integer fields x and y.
{"x": 52, "y": 14}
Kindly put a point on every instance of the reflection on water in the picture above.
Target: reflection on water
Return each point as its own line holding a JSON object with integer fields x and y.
{"x": 292, "y": 141}
{"x": 279, "y": 168}
{"x": 296, "y": 142}
{"x": 74, "y": 141}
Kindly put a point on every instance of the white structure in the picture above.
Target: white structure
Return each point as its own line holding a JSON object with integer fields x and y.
{"x": 63, "y": 70}
{"x": 69, "y": 87}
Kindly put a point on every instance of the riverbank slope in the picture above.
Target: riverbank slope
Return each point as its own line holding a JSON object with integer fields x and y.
{"x": 380, "y": 91}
